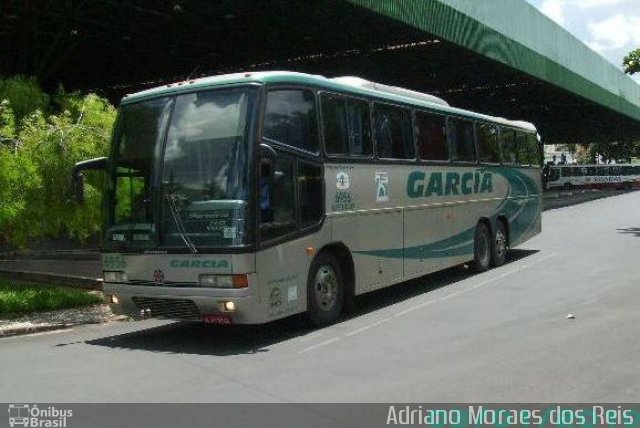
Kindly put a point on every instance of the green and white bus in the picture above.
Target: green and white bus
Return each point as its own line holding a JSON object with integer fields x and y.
{"x": 245, "y": 198}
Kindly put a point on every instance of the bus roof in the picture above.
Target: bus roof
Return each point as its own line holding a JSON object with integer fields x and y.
{"x": 348, "y": 85}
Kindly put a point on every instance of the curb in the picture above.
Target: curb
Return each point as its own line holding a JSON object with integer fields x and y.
{"x": 71, "y": 255}
{"x": 40, "y": 328}
{"x": 84, "y": 282}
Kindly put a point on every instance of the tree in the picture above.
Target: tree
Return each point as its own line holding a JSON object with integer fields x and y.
{"x": 38, "y": 148}
{"x": 631, "y": 62}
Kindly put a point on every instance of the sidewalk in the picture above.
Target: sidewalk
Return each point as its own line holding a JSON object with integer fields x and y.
{"x": 56, "y": 320}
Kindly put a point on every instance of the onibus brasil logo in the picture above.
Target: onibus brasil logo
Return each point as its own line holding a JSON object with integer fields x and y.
{"x": 26, "y": 415}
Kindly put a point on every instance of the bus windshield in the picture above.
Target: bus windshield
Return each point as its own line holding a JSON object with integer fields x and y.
{"x": 180, "y": 171}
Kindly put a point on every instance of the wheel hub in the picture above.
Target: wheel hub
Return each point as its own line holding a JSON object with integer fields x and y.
{"x": 326, "y": 288}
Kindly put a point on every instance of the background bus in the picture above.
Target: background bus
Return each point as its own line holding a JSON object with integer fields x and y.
{"x": 620, "y": 176}
{"x": 249, "y": 197}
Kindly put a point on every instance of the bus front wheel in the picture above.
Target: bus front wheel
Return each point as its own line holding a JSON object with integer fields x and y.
{"x": 325, "y": 290}
{"x": 482, "y": 248}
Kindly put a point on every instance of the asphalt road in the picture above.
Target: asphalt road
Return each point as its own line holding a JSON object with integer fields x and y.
{"x": 501, "y": 336}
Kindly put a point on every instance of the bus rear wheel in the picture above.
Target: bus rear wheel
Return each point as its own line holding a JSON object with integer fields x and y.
{"x": 482, "y": 248}
{"x": 499, "y": 245}
{"x": 325, "y": 290}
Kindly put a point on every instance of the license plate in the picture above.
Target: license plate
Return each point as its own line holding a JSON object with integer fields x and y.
{"x": 216, "y": 319}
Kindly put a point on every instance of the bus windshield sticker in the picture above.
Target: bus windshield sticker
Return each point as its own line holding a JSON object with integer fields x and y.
{"x": 382, "y": 186}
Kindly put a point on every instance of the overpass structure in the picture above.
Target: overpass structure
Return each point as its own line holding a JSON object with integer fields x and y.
{"x": 500, "y": 57}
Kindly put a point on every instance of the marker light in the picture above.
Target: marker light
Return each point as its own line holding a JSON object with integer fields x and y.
{"x": 114, "y": 299}
{"x": 229, "y": 306}
{"x": 114, "y": 276}
{"x": 223, "y": 281}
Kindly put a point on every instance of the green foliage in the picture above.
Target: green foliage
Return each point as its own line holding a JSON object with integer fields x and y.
{"x": 24, "y": 94}
{"x": 618, "y": 151}
{"x": 631, "y": 62}
{"x": 37, "y": 153}
{"x": 21, "y": 299}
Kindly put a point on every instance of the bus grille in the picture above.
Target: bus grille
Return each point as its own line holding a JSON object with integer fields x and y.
{"x": 167, "y": 308}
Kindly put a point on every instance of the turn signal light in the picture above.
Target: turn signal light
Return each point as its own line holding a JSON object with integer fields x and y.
{"x": 240, "y": 281}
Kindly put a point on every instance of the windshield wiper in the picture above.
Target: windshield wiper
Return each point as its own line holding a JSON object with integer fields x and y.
{"x": 171, "y": 198}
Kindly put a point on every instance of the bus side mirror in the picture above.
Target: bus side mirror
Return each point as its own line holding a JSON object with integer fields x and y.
{"x": 267, "y": 152}
{"x": 78, "y": 176}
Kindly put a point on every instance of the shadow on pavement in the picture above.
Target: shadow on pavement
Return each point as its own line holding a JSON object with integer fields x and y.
{"x": 630, "y": 230}
{"x": 202, "y": 339}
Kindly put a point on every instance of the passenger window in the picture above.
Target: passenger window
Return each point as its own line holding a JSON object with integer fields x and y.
{"x": 359, "y": 126}
{"x": 334, "y": 124}
{"x": 310, "y": 194}
{"x": 460, "y": 136}
{"x": 522, "y": 148}
{"x": 488, "y": 147}
{"x": 577, "y": 171}
{"x": 290, "y": 118}
{"x": 508, "y": 145}
{"x": 277, "y": 199}
{"x": 431, "y": 134}
{"x": 346, "y": 126}
{"x": 567, "y": 172}
{"x": 533, "y": 148}
{"x": 614, "y": 170}
{"x": 393, "y": 133}
{"x": 625, "y": 170}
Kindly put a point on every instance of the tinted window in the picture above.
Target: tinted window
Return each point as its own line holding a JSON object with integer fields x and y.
{"x": 290, "y": 118}
{"x": 522, "y": 149}
{"x": 431, "y": 135}
{"x": 359, "y": 126}
{"x": 393, "y": 133}
{"x": 566, "y": 172}
{"x": 460, "y": 134}
{"x": 614, "y": 170}
{"x": 346, "y": 125}
{"x": 508, "y": 145}
{"x": 533, "y": 150}
{"x": 554, "y": 174}
{"x": 334, "y": 124}
{"x": 592, "y": 171}
{"x": 626, "y": 170}
{"x": 488, "y": 147}
{"x": 310, "y": 194}
{"x": 277, "y": 199}
{"x": 636, "y": 170}
{"x": 577, "y": 171}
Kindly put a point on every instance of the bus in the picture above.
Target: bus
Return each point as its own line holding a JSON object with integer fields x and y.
{"x": 245, "y": 198}
{"x": 616, "y": 176}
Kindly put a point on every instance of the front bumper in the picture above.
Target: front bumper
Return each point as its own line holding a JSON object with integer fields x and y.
{"x": 185, "y": 303}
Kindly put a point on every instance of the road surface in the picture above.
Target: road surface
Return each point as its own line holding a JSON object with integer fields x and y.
{"x": 500, "y": 336}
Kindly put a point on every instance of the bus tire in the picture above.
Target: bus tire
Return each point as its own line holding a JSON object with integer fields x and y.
{"x": 482, "y": 248}
{"x": 325, "y": 290}
{"x": 499, "y": 244}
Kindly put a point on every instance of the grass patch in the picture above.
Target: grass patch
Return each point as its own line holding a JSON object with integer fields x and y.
{"x": 17, "y": 299}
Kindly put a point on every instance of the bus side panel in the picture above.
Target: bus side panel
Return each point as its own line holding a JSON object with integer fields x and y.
{"x": 425, "y": 225}
{"x": 525, "y": 221}
{"x": 375, "y": 238}
{"x": 283, "y": 271}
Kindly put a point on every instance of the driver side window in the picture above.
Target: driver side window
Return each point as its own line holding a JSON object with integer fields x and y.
{"x": 276, "y": 200}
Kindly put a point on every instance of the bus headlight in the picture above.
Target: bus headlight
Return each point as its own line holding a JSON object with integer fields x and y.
{"x": 223, "y": 281}
{"x": 114, "y": 276}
